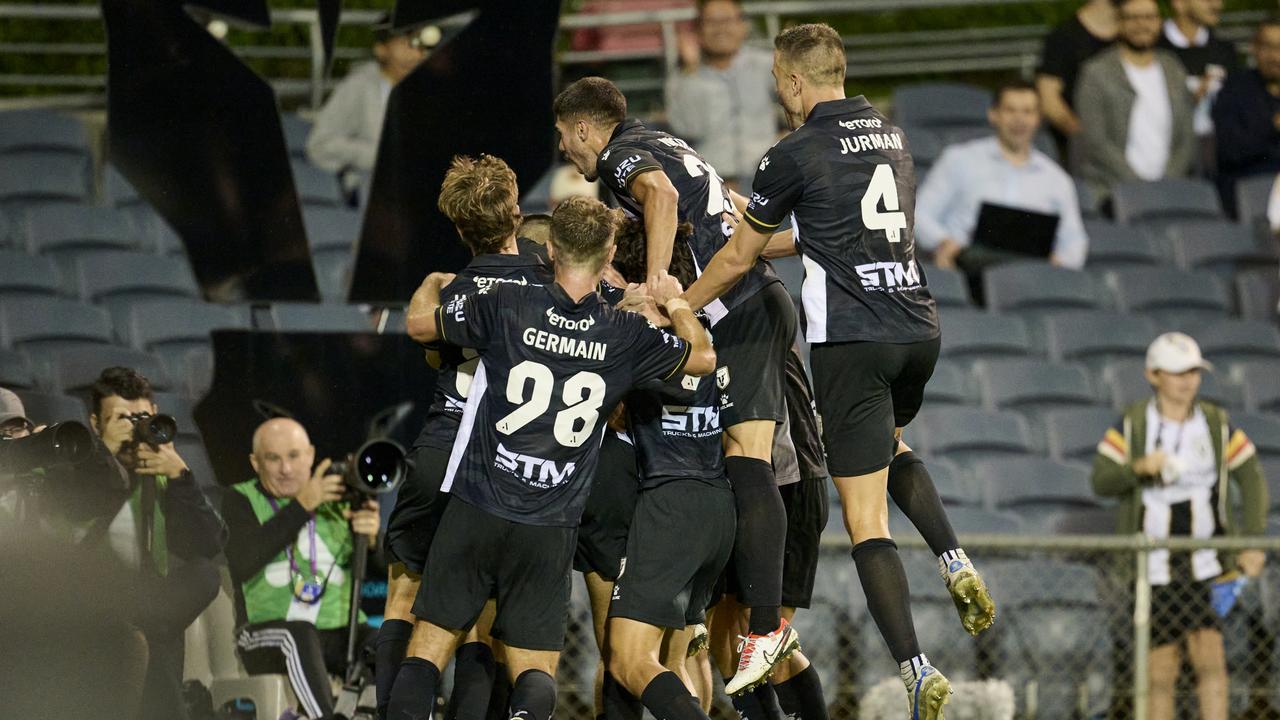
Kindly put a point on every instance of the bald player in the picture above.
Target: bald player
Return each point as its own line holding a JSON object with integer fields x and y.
{"x": 289, "y": 554}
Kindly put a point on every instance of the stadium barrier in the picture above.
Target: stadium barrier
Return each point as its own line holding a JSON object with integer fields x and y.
{"x": 1073, "y": 628}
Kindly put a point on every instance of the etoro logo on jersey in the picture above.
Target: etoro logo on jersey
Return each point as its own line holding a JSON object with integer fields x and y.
{"x": 536, "y": 472}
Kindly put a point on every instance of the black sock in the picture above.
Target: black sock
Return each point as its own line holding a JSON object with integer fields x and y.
{"x": 668, "y": 699}
{"x": 759, "y": 543}
{"x": 473, "y": 669}
{"x": 916, "y": 496}
{"x": 413, "y": 697}
{"x": 759, "y": 704}
{"x": 801, "y": 696}
{"x": 533, "y": 696}
{"x": 885, "y": 585}
{"x": 500, "y": 695}
{"x": 619, "y": 703}
{"x": 393, "y": 640}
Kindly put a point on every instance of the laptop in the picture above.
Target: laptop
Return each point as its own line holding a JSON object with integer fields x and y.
{"x": 1013, "y": 230}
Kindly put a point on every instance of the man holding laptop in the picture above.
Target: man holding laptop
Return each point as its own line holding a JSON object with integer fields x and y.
{"x": 997, "y": 199}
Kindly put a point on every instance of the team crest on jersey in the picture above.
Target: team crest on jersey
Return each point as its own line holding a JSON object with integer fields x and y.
{"x": 605, "y": 155}
{"x": 764, "y": 163}
{"x": 722, "y": 377}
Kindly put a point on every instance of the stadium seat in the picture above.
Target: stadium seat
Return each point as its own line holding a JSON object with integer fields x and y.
{"x": 950, "y": 385}
{"x": 969, "y": 335}
{"x": 296, "y": 130}
{"x": 940, "y": 104}
{"x": 181, "y": 409}
{"x": 50, "y": 408}
{"x": 1258, "y": 294}
{"x": 23, "y": 275}
{"x": 967, "y": 520}
{"x": 1264, "y": 431}
{"x": 1252, "y": 195}
{"x": 1260, "y": 382}
{"x": 1087, "y": 199}
{"x": 332, "y": 275}
{"x": 155, "y": 232}
{"x": 119, "y": 192}
{"x": 1096, "y": 337}
{"x": 74, "y": 372}
{"x": 955, "y": 487}
{"x": 926, "y": 145}
{"x": 1073, "y": 433}
{"x": 309, "y": 317}
{"x": 1220, "y": 247}
{"x": 172, "y": 327}
{"x": 331, "y": 228}
{"x": 1163, "y": 201}
{"x": 962, "y": 433}
{"x": 1086, "y": 521}
{"x": 948, "y": 287}
{"x": 1169, "y": 295}
{"x": 1227, "y": 342}
{"x": 790, "y": 270}
{"x": 1017, "y": 484}
{"x": 1057, "y": 582}
{"x": 42, "y": 177}
{"x": 1112, "y": 245}
{"x": 1032, "y": 386}
{"x": 15, "y": 370}
{"x": 44, "y": 131}
{"x": 63, "y": 230}
{"x": 115, "y": 279}
{"x": 1038, "y": 287}
{"x": 52, "y": 324}
{"x": 196, "y": 372}
{"x": 315, "y": 186}
{"x": 1127, "y": 384}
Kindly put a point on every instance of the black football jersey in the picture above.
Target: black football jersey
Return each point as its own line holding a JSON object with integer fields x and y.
{"x": 551, "y": 371}
{"x": 847, "y": 179}
{"x": 457, "y": 365}
{"x": 676, "y": 428}
{"x": 635, "y": 149}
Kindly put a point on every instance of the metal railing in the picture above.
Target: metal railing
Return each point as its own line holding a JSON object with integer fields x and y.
{"x": 875, "y": 55}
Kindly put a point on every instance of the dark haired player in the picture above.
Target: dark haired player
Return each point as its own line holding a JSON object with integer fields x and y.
{"x": 554, "y": 361}
{"x": 846, "y": 178}
{"x": 664, "y": 181}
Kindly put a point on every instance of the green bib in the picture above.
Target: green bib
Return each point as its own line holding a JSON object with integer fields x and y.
{"x": 268, "y": 595}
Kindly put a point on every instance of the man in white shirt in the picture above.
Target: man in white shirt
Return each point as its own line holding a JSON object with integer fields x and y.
{"x": 1003, "y": 170}
{"x": 1135, "y": 110}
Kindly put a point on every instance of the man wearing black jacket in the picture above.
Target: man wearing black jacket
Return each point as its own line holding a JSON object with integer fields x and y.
{"x": 1246, "y": 115}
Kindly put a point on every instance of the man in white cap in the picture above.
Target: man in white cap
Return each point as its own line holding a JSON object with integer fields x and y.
{"x": 1170, "y": 461}
{"x": 13, "y": 417}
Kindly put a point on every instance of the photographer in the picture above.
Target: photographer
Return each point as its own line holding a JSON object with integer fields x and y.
{"x": 290, "y": 550}
{"x": 167, "y": 531}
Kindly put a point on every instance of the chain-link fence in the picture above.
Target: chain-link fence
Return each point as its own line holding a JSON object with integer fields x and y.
{"x": 1076, "y": 632}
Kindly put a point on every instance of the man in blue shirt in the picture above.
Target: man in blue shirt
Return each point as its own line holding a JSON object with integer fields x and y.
{"x": 1002, "y": 170}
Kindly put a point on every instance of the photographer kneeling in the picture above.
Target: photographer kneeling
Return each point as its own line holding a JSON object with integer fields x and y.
{"x": 290, "y": 549}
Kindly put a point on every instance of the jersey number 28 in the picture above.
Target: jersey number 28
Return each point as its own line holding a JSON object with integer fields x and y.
{"x": 583, "y": 394}
{"x": 893, "y": 222}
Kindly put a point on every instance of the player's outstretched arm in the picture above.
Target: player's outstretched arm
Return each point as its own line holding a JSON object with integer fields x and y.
{"x": 702, "y": 357}
{"x": 728, "y": 266}
{"x": 420, "y": 319}
{"x": 659, "y": 198}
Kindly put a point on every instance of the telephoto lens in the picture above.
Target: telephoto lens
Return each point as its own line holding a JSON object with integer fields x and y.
{"x": 377, "y": 468}
{"x": 154, "y": 429}
{"x": 65, "y": 443}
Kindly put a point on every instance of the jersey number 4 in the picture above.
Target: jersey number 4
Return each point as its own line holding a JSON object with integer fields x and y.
{"x": 883, "y": 187}
{"x": 582, "y": 395}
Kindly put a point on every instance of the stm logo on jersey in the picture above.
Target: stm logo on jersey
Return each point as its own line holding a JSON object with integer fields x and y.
{"x": 888, "y": 275}
{"x": 535, "y": 471}
{"x": 565, "y": 323}
{"x": 690, "y": 421}
{"x": 625, "y": 167}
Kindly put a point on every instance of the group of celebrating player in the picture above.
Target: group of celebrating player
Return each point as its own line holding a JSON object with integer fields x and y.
{"x": 633, "y": 406}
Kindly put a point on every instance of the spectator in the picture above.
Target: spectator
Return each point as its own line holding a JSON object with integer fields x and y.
{"x": 167, "y": 531}
{"x": 722, "y": 101}
{"x": 1004, "y": 170}
{"x": 290, "y": 545}
{"x": 1207, "y": 59}
{"x": 1168, "y": 461}
{"x": 1135, "y": 111}
{"x": 1246, "y": 115}
{"x": 1066, "y": 48}
{"x": 344, "y": 139}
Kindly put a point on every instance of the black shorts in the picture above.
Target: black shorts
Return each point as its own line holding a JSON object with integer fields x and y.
{"x": 476, "y": 556}
{"x": 418, "y": 509}
{"x": 803, "y": 423}
{"x": 1180, "y": 607}
{"x": 806, "y": 504}
{"x": 864, "y": 391}
{"x": 602, "y": 534}
{"x": 751, "y": 345}
{"x": 679, "y": 543}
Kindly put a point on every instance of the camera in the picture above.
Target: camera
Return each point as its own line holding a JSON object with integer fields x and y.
{"x": 65, "y": 443}
{"x": 154, "y": 430}
{"x": 377, "y": 468}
